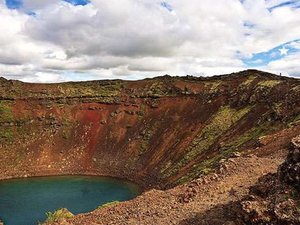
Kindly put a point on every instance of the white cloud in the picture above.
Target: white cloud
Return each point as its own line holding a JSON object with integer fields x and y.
{"x": 295, "y": 45}
{"x": 288, "y": 65}
{"x": 133, "y": 39}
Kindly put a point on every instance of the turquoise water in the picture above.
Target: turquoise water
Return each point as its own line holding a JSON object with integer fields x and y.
{"x": 25, "y": 201}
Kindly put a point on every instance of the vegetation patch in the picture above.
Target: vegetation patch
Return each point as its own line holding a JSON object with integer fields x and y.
{"x": 108, "y": 89}
{"x": 146, "y": 136}
{"x": 249, "y": 80}
{"x": 58, "y": 215}
{"x": 269, "y": 83}
{"x": 6, "y": 114}
{"x": 212, "y": 85}
{"x": 226, "y": 151}
{"x": 6, "y": 134}
{"x": 218, "y": 124}
{"x": 253, "y": 134}
{"x": 109, "y": 204}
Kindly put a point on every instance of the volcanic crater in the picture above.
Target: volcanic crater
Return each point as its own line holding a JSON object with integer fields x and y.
{"x": 194, "y": 144}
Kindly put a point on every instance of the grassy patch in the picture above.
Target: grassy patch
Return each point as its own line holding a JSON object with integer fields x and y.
{"x": 235, "y": 145}
{"x": 109, "y": 89}
{"x": 212, "y": 85}
{"x": 269, "y": 83}
{"x": 249, "y": 80}
{"x": 155, "y": 90}
{"x": 6, "y": 114}
{"x": 6, "y": 134}
{"x": 109, "y": 204}
{"x": 58, "y": 215}
{"x": 216, "y": 126}
{"x": 147, "y": 135}
{"x": 252, "y": 134}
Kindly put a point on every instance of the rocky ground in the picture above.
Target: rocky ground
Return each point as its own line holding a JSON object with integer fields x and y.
{"x": 218, "y": 198}
{"x": 275, "y": 199}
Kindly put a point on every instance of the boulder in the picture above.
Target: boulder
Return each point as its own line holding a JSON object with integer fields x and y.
{"x": 289, "y": 171}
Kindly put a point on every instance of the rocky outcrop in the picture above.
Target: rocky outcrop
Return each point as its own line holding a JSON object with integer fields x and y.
{"x": 275, "y": 199}
{"x": 290, "y": 170}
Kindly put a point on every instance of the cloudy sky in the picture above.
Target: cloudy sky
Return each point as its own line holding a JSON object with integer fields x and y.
{"x": 59, "y": 40}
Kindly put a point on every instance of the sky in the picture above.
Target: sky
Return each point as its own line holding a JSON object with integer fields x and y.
{"x": 72, "y": 40}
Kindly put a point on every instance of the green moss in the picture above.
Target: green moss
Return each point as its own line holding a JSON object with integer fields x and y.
{"x": 217, "y": 125}
{"x": 6, "y": 134}
{"x": 249, "y": 80}
{"x": 147, "y": 135}
{"x": 6, "y": 114}
{"x": 252, "y": 134}
{"x": 141, "y": 113}
{"x": 212, "y": 85}
{"x": 226, "y": 151}
{"x": 109, "y": 204}
{"x": 269, "y": 83}
{"x": 220, "y": 122}
{"x": 58, "y": 215}
{"x": 109, "y": 89}
{"x": 155, "y": 90}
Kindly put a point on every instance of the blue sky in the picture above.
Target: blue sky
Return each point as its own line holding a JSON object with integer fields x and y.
{"x": 292, "y": 4}
{"x": 59, "y": 40}
{"x": 277, "y": 53}
{"x": 17, "y": 4}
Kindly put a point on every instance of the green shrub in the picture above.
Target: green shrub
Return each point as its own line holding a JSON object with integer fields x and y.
{"x": 58, "y": 215}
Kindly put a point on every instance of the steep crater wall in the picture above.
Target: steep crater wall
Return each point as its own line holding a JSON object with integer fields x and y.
{"x": 156, "y": 132}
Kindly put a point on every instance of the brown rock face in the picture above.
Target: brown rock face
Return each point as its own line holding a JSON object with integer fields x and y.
{"x": 289, "y": 171}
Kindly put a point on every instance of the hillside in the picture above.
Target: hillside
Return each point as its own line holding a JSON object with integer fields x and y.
{"x": 160, "y": 132}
